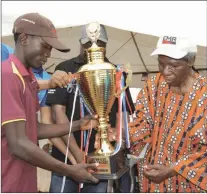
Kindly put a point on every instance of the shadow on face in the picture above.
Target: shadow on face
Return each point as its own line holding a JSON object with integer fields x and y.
{"x": 174, "y": 71}
{"x": 36, "y": 51}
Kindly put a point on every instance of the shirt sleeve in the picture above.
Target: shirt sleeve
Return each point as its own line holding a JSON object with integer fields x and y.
{"x": 42, "y": 94}
{"x": 193, "y": 164}
{"x": 57, "y": 95}
{"x": 12, "y": 95}
{"x": 43, "y": 99}
{"x": 140, "y": 128}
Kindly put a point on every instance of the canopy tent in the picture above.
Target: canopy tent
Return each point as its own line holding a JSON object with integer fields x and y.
{"x": 132, "y": 41}
{"x": 179, "y": 18}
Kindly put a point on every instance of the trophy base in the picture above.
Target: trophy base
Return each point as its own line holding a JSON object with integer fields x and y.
{"x": 113, "y": 176}
{"x": 108, "y": 168}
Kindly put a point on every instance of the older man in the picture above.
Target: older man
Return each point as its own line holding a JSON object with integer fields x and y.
{"x": 171, "y": 115}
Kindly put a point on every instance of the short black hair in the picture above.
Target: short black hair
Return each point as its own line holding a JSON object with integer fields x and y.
{"x": 16, "y": 37}
{"x": 189, "y": 57}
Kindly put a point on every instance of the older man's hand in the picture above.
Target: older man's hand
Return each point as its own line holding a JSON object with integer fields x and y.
{"x": 158, "y": 173}
{"x": 60, "y": 79}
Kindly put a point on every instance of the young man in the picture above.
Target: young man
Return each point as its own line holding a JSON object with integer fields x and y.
{"x": 35, "y": 36}
{"x": 62, "y": 102}
{"x": 45, "y": 81}
{"x": 45, "y": 116}
{"x": 59, "y": 78}
{"x": 172, "y": 117}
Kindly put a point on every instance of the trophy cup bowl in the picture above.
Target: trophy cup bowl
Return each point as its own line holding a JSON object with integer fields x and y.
{"x": 97, "y": 85}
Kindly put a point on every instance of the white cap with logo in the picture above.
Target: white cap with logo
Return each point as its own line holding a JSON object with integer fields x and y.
{"x": 174, "y": 47}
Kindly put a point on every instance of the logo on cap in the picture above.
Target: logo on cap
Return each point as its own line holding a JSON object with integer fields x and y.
{"x": 28, "y": 20}
{"x": 169, "y": 40}
{"x": 54, "y": 31}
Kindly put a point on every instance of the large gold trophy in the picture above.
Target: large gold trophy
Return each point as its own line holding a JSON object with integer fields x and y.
{"x": 97, "y": 85}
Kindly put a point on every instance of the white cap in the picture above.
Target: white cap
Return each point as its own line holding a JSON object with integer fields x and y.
{"x": 174, "y": 47}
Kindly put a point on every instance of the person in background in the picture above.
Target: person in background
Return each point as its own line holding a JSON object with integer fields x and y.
{"x": 5, "y": 52}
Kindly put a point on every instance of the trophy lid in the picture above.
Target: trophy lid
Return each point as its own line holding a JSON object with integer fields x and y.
{"x": 95, "y": 54}
{"x": 93, "y": 33}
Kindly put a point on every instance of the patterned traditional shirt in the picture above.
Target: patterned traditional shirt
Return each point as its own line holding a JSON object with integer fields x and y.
{"x": 175, "y": 125}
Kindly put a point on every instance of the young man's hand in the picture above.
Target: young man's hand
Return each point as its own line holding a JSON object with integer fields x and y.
{"x": 89, "y": 121}
{"x": 81, "y": 173}
{"x": 60, "y": 79}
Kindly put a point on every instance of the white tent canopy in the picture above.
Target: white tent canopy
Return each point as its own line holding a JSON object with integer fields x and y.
{"x": 133, "y": 36}
{"x": 178, "y": 18}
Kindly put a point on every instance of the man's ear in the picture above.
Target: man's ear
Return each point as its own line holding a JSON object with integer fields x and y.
{"x": 23, "y": 38}
{"x": 192, "y": 61}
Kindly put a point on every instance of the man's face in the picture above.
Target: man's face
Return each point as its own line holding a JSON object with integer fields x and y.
{"x": 37, "y": 51}
{"x": 173, "y": 70}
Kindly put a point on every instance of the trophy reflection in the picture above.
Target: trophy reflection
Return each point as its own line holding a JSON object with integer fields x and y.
{"x": 97, "y": 85}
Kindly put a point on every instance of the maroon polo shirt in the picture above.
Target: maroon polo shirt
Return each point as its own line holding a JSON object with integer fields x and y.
{"x": 19, "y": 102}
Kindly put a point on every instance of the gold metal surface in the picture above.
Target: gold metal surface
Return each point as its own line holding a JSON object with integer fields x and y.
{"x": 103, "y": 161}
{"x": 97, "y": 84}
